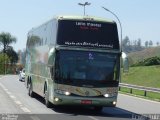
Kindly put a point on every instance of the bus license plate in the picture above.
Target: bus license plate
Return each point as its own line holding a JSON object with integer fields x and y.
{"x": 86, "y": 101}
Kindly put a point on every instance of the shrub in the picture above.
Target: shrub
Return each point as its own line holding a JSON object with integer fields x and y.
{"x": 148, "y": 62}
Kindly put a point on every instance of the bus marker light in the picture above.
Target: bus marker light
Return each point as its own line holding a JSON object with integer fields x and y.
{"x": 114, "y": 102}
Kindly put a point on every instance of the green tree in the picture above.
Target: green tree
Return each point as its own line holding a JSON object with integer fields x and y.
{"x": 139, "y": 43}
{"x": 3, "y": 60}
{"x": 125, "y": 41}
{"x": 13, "y": 56}
{"x": 146, "y": 44}
{"x": 150, "y": 43}
{"x": 6, "y": 39}
{"x": 126, "y": 44}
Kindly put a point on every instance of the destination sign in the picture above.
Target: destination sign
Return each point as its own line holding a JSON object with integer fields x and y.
{"x": 88, "y": 24}
{"x": 88, "y": 34}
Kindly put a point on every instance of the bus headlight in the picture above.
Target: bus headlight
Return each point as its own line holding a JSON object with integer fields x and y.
{"x": 67, "y": 93}
{"x": 109, "y": 95}
{"x": 62, "y": 92}
{"x": 106, "y": 95}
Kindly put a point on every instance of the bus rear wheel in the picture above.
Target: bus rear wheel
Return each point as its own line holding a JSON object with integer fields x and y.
{"x": 30, "y": 90}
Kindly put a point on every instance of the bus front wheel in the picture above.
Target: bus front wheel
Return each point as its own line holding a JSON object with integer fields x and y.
{"x": 46, "y": 98}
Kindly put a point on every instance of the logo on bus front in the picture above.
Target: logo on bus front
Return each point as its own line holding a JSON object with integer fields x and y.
{"x": 87, "y": 93}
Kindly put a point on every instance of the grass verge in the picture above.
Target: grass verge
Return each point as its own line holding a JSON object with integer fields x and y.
{"x": 147, "y": 76}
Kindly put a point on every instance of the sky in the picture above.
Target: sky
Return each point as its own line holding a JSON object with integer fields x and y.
{"x": 139, "y": 18}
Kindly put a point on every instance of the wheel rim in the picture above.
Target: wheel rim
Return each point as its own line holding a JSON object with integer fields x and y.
{"x": 45, "y": 97}
{"x": 30, "y": 91}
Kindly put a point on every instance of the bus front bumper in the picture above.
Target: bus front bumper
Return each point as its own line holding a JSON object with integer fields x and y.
{"x": 86, "y": 101}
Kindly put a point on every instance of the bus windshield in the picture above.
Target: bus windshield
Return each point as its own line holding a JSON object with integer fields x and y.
{"x": 84, "y": 67}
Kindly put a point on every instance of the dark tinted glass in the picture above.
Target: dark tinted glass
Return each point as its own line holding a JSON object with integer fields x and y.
{"x": 92, "y": 67}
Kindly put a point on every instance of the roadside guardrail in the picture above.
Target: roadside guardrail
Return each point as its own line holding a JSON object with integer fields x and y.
{"x": 142, "y": 88}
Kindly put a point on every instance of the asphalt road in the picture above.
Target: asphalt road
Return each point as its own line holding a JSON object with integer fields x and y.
{"x": 15, "y": 104}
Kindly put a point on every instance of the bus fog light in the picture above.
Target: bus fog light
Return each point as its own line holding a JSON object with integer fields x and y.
{"x": 106, "y": 95}
{"x": 56, "y": 99}
{"x": 114, "y": 102}
{"x": 67, "y": 93}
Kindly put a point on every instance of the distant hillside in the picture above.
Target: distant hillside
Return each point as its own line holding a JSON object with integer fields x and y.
{"x": 141, "y": 55}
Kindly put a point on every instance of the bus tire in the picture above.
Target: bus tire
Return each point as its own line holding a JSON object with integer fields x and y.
{"x": 30, "y": 90}
{"x": 27, "y": 82}
{"x": 46, "y": 97}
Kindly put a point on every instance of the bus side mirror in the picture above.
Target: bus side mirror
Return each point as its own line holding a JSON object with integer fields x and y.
{"x": 125, "y": 62}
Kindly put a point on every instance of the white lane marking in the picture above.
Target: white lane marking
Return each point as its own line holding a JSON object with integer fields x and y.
{"x": 34, "y": 118}
{"x": 141, "y": 98}
{"x": 14, "y": 98}
{"x": 93, "y": 118}
{"x": 18, "y": 102}
{"x": 5, "y": 89}
{"x": 25, "y": 109}
{"x": 8, "y": 93}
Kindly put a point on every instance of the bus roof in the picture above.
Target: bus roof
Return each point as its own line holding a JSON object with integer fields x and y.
{"x": 75, "y": 17}
{"x": 90, "y": 18}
